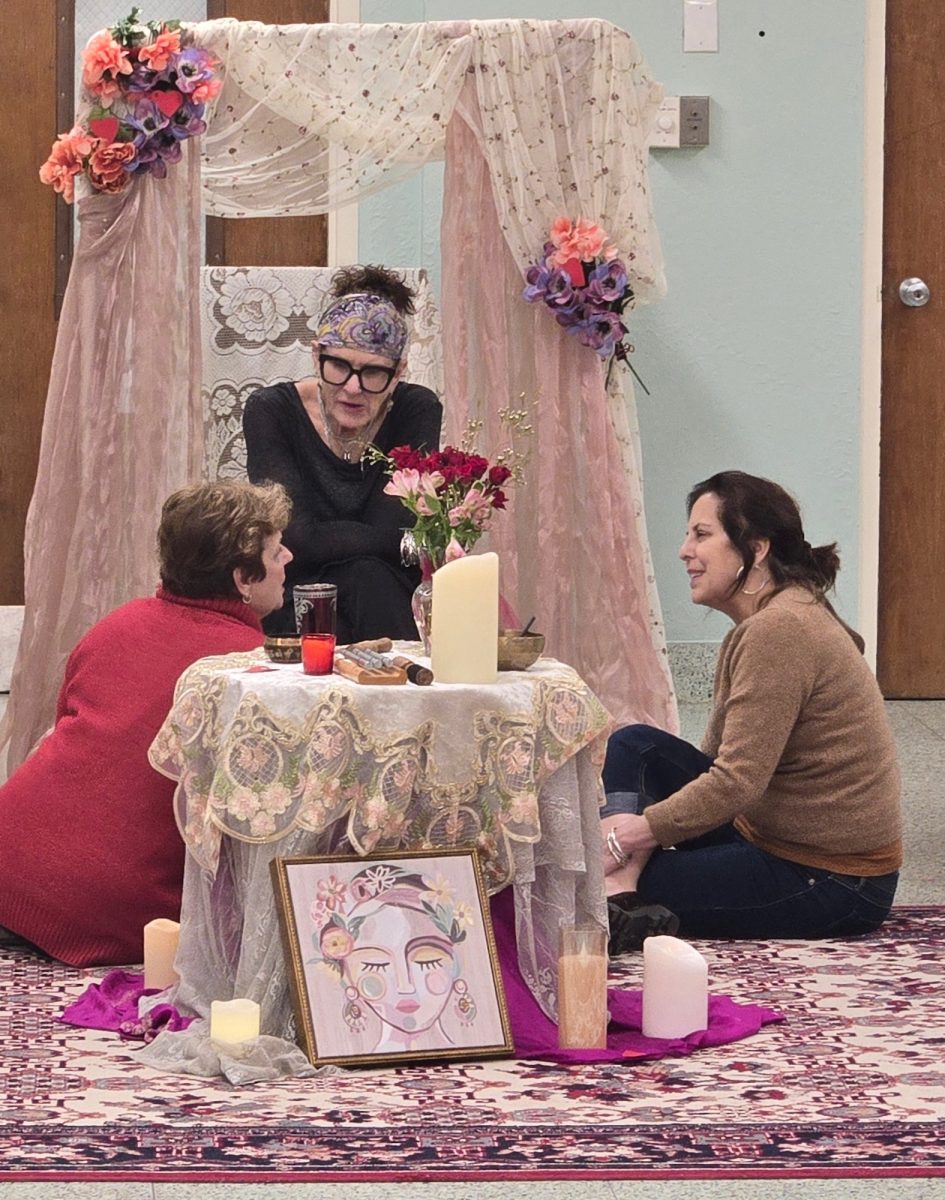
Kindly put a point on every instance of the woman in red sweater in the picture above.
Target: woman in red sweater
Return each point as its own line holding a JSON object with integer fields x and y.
{"x": 90, "y": 851}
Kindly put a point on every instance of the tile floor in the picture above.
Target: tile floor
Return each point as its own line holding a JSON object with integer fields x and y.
{"x": 920, "y": 733}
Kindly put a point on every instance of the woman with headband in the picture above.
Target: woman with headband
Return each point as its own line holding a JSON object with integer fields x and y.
{"x": 311, "y": 436}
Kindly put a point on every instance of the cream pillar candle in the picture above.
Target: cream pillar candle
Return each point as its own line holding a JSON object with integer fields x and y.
{"x": 465, "y": 627}
{"x": 582, "y": 989}
{"x": 160, "y": 949}
{"x": 234, "y": 1020}
{"x": 675, "y": 988}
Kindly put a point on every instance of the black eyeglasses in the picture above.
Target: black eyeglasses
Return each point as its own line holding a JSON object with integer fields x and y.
{"x": 338, "y": 371}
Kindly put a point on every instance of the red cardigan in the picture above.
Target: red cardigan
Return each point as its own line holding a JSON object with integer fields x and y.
{"x": 89, "y": 848}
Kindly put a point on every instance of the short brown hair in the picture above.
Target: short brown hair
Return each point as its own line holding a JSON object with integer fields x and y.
{"x": 209, "y": 529}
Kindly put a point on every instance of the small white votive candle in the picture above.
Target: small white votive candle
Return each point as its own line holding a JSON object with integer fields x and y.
{"x": 160, "y": 949}
{"x": 234, "y": 1020}
{"x": 675, "y": 988}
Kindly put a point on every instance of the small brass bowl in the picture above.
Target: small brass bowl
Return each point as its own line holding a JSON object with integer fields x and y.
{"x": 283, "y": 649}
{"x": 517, "y": 651}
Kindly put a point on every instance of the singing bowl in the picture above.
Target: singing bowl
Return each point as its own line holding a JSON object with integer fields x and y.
{"x": 517, "y": 651}
{"x": 283, "y": 649}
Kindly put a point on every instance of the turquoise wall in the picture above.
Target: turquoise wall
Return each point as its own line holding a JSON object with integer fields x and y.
{"x": 753, "y": 358}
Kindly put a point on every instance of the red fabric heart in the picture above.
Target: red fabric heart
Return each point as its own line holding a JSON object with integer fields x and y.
{"x": 104, "y": 127}
{"x": 168, "y": 102}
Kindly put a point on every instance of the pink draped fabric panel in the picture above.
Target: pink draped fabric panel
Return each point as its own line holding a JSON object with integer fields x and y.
{"x": 119, "y": 431}
{"x": 569, "y": 548}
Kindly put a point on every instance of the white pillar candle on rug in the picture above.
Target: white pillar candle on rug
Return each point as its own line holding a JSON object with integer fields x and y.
{"x": 465, "y": 627}
{"x": 234, "y": 1020}
{"x": 160, "y": 949}
{"x": 675, "y": 988}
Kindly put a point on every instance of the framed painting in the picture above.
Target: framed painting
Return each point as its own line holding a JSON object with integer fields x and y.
{"x": 392, "y": 957}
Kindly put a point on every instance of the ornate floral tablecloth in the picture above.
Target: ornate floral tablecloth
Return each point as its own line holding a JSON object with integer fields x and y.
{"x": 276, "y": 763}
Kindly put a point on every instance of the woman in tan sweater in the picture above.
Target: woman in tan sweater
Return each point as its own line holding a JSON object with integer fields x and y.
{"x": 787, "y": 822}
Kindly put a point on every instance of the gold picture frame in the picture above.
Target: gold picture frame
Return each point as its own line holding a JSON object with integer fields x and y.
{"x": 392, "y": 957}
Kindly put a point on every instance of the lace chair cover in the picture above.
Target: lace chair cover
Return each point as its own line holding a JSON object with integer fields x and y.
{"x": 258, "y": 324}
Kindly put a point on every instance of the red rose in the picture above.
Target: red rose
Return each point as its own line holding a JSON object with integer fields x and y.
{"x": 498, "y": 476}
{"x": 498, "y": 499}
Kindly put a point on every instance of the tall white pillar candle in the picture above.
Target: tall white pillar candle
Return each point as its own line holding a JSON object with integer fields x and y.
{"x": 465, "y": 627}
{"x": 160, "y": 949}
{"x": 234, "y": 1020}
{"x": 675, "y": 988}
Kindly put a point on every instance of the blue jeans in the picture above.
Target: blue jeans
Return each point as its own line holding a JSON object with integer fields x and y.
{"x": 719, "y": 884}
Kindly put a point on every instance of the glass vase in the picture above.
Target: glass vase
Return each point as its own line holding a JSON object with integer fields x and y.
{"x": 422, "y": 602}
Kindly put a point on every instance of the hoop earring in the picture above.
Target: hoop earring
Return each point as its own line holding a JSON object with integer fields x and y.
{"x": 464, "y": 1005}
{"x": 764, "y": 584}
{"x": 247, "y": 598}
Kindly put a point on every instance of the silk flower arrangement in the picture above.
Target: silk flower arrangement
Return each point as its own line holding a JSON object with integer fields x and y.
{"x": 150, "y": 91}
{"x": 582, "y": 278}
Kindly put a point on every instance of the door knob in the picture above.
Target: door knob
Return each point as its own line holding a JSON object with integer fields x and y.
{"x": 914, "y": 292}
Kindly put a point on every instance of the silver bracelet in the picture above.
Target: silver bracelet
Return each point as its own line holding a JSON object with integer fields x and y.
{"x": 616, "y": 852}
{"x": 409, "y": 553}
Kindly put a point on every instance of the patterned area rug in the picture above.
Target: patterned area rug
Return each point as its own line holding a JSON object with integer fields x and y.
{"x": 852, "y": 1083}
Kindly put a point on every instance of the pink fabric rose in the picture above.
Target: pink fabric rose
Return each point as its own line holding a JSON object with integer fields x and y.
{"x": 107, "y": 166}
{"x": 66, "y": 160}
{"x": 104, "y": 56}
{"x": 158, "y": 54}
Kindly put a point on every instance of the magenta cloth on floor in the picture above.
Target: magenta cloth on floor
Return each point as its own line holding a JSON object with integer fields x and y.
{"x": 113, "y": 1004}
{"x": 535, "y": 1036}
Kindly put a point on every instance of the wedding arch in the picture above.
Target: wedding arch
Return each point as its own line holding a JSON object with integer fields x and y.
{"x": 535, "y": 120}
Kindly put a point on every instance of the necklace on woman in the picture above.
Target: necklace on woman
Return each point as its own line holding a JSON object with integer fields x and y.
{"x": 342, "y": 446}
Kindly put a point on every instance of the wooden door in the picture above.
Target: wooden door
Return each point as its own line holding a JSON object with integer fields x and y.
{"x": 28, "y": 218}
{"x": 276, "y": 241}
{"x": 911, "y": 644}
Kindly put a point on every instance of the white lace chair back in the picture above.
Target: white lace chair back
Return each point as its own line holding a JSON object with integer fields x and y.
{"x": 258, "y": 324}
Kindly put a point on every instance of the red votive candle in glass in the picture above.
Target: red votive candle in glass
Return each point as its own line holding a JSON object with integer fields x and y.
{"x": 318, "y": 653}
{"x": 315, "y": 608}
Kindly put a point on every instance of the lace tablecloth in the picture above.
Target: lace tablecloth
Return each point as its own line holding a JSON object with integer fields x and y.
{"x": 272, "y": 763}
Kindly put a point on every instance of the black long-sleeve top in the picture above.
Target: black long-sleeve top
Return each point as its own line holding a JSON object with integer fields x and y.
{"x": 339, "y": 510}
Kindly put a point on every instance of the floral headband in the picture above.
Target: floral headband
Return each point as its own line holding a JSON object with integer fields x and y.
{"x": 363, "y": 321}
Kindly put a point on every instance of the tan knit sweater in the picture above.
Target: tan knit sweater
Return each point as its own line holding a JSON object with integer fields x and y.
{"x": 805, "y": 763}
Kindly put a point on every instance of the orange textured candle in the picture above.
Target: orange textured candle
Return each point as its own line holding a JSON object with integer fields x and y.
{"x": 582, "y": 989}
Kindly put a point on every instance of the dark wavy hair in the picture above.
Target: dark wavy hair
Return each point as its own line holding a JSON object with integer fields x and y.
{"x": 209, "y": 529}
{"x": 751, "y": 508}
{"x": 377, "y": 280}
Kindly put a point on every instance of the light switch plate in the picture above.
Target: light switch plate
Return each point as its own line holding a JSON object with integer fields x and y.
{"x": 701, "y": 26}
{"x": 665, "y": 128}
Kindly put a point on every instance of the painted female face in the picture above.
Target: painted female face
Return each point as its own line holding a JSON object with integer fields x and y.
{"x": 712, "y": 562}
{"x": 403, "y": 968}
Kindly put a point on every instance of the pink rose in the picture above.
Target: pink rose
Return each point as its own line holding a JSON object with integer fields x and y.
{"x": 103, "y": 55}
{"x": 158, "y": 54}
{"x": 107, "y": 166}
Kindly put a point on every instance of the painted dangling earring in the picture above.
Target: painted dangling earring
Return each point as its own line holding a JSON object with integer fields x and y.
{"x": 353, "y": 1013}
{"x": 463, "y": 1004}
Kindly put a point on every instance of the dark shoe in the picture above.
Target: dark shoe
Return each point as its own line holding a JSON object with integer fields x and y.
{"x": 629, "y": 926}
